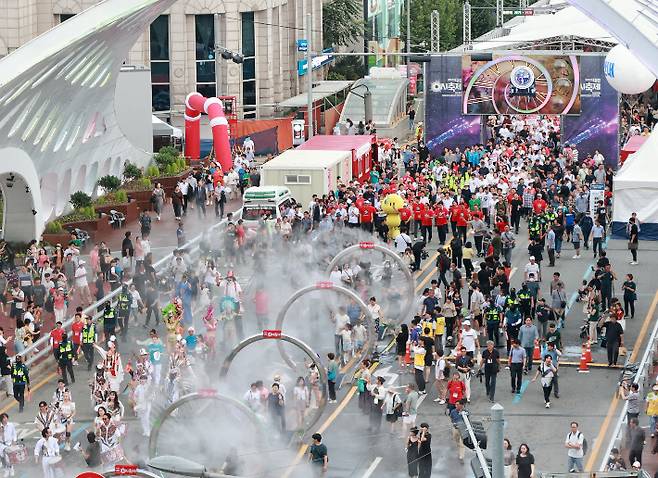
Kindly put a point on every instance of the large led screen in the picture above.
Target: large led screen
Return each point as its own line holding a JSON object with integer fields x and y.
{"x": 520, "y": 84}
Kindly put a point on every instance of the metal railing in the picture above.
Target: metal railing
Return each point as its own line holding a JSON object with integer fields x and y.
{"x": 43, "y": 346}
{"x": 640, "y": 378}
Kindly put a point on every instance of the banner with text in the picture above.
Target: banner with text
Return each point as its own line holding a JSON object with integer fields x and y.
{"x": 597, "y": 127}
{"x": 445, "y": 125}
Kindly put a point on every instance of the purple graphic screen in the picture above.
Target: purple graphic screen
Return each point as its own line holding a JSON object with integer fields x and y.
{"x": 597, "y": 127}
{"x": 445, "y": 126}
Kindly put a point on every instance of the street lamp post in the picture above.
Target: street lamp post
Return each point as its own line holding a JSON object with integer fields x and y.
{"x": 182, "y": 466}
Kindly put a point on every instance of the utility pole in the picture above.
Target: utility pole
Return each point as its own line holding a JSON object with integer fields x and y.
{"x": 523, "y": 4}
{"x": 499, "y": 13}
{"x": 408, "y": 45}
{"x": 479, "y": 456}
{"x": 497, "y": 452}
{"x": 309, "y": 73}
{"x": 467, "y": 40}
{"x": 435, "y": 32}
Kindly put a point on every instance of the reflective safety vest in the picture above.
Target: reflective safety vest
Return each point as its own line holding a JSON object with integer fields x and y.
{"x": 66, "y": 351}
{"x": 493, "y": 314}
{"x": 109, "y": 314}
{"x": 523, "y": 296}
{"x": 511, "y": 302}
{"x": 19, "y": 373}
{"x": 89, "y": 334}
{"x": 124, "y": 302}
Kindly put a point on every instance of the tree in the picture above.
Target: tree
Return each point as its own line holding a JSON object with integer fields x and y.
{"x": 342, "y": 22}
{"x": 450, "y": 31}
{"x": 451, "y": 22}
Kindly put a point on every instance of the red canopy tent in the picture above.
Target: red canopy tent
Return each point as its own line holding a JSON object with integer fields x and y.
{"x": 359, "y": 145}
{"x": 631, "y": 146}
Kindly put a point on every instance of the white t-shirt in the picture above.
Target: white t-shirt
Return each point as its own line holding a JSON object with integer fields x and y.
{"x": 341, "y": 321}
{"x": 532, "y": 269}
{"x": 573, "y": 439}
{"x": 468, "y": 339}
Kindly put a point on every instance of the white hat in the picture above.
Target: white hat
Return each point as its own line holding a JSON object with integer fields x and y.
{"x": 532, "y": 258}
{"x": 113, "y": 338}
{"x": 81, "y": 262}
{"x": 466, "y": 322}
{"x": 143, "y": 352}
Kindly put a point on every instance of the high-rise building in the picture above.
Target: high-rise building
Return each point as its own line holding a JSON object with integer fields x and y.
{"x": 179, "y": 46}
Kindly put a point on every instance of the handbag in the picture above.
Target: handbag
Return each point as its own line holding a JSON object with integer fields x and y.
{"x": 632, "y": 246}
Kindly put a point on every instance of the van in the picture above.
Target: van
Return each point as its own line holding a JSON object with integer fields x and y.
{"x": 261, "y": 200}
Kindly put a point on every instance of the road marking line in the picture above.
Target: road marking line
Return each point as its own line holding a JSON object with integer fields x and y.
{"x": 524, "y": 387}
{"x": 615, "y": 399}
{"x": 371, "y": 468}
{"x": 43, "y": 382}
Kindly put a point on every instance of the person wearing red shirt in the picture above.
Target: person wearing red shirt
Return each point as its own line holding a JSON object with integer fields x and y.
{"x": 405, "y": 216}
{"x": 418, "y": 208}
{"x": 454, "y": 214}
{"x": 367, "y": 213}
{"x": 463, "y": 216}
{"x": 539, "y": 205}
{"x": 426, "y": 220}
{"x": 56, "y": 338}
{"x": 456, "y": 390}
{"x": 441, "y": 222}
{"x": 76, "y": 335}
{"x": 501, "y": 224}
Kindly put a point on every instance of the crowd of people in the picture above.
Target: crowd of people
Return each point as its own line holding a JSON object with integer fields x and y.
{"x": 470, "y": 322}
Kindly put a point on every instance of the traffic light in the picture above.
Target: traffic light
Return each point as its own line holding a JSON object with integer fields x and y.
{"x": 476, "y": 467}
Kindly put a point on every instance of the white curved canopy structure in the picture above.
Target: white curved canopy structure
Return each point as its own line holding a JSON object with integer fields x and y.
{"x": 58, "y": 127}
{"x": 633, "y": 22}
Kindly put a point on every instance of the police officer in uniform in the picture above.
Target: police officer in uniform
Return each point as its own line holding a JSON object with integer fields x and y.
{"x": 21, "y": 379}
{"x": 525, "y": 300}
{"x": 123, "y": 310}
{"x": 89, "y": 337}
{"x": 66, "y": 358}
{"x": 109, "y": 321}
{"x": 492, "y": 315}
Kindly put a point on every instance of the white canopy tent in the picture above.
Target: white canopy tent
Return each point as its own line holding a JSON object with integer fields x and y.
{"x": 635, "y": 189}
{"x": 160, "y": 128}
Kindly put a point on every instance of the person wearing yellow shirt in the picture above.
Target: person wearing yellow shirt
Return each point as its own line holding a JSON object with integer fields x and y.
{"x": 427, "y": 323}
{"x": 652, "y": 409}
{"x": 467, "y": 257}
{"x": 419, "y": 366}
{"x": 439, "y": 331}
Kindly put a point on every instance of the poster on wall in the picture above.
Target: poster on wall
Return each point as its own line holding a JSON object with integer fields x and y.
{"x": 445, "y": 125}
{"x": 597, "y": 127}
{"x": 520, "y": 84}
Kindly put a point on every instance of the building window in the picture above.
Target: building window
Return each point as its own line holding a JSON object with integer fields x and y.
{"x": 249, "y": 65}
{"x": 205, "y": 55}
{"x": 160, "y": 89}
{"x": 65, "y": 16}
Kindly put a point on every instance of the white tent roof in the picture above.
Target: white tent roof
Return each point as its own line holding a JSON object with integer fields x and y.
{"x": 566, "y": 22}
{"x": 160, "y": 128}
{"x": 636, "y": 184}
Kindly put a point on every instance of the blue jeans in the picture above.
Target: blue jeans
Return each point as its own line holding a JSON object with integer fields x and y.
{"x": 558, "y": 245}
{"x": 574, "y": 464}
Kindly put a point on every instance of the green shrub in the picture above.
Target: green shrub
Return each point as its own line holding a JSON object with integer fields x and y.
{"x": 88, "y": 212}
{"x": 131, "y": 171}
{"x": 169, "y": 151}
{"x": 54, "y": 227}
{"x": 171, "y": 169}
{"x": 166, "y": 156}
{"x": 80, "y": 200}
{"x": 182, "y": 165}
{"x": 146, "y": 183}
{"x": 109, "y": 183}
{"x": 152, "y": 171}
{"x": 121, "y": 196}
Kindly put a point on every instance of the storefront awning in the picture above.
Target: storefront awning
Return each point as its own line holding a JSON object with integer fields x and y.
{"x": 320, "y": 91}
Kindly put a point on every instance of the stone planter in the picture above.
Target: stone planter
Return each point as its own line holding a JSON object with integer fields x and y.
{"x": 130, "y": 209}
{"x": 169, "y": 182}
{"x": 62, "y": 238}
{"x": 142, "y": 199}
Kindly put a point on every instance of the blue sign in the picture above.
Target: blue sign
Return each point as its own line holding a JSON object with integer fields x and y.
{"x": 318, "y": 61}
{"x": 302, "y": 45}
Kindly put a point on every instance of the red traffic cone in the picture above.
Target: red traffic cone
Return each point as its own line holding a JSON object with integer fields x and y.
{"x": 407, "y": 354}
{"x": 536, "y": 354}
{"x": 583, "y": 367}
{"x": 588, "y": 353}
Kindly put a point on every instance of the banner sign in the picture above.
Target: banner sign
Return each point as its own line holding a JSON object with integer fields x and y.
{"x": 597, "y": 127}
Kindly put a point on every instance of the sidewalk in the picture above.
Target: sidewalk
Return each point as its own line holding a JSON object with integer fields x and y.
{"x": 163, "y": 241}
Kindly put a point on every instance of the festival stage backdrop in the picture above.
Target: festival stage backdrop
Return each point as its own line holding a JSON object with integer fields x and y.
{"x": 520, "y": 84}
{"x": 597, "y": 127}
{"x": 445, "y": 126}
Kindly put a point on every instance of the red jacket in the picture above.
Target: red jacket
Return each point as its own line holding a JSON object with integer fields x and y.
{"x": 456, "y": 391}
{"x": 367, "y": 213}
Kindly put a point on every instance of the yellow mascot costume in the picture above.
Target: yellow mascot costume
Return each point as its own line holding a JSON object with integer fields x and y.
{"x": 391, "y": 206}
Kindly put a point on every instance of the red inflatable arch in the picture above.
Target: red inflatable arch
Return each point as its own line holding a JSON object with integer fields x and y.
{"x": 195, "y": 105}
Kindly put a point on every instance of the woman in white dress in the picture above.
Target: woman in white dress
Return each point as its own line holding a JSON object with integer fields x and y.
{"x": 301, "y": 398}
{"x": 66, "y": 413}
